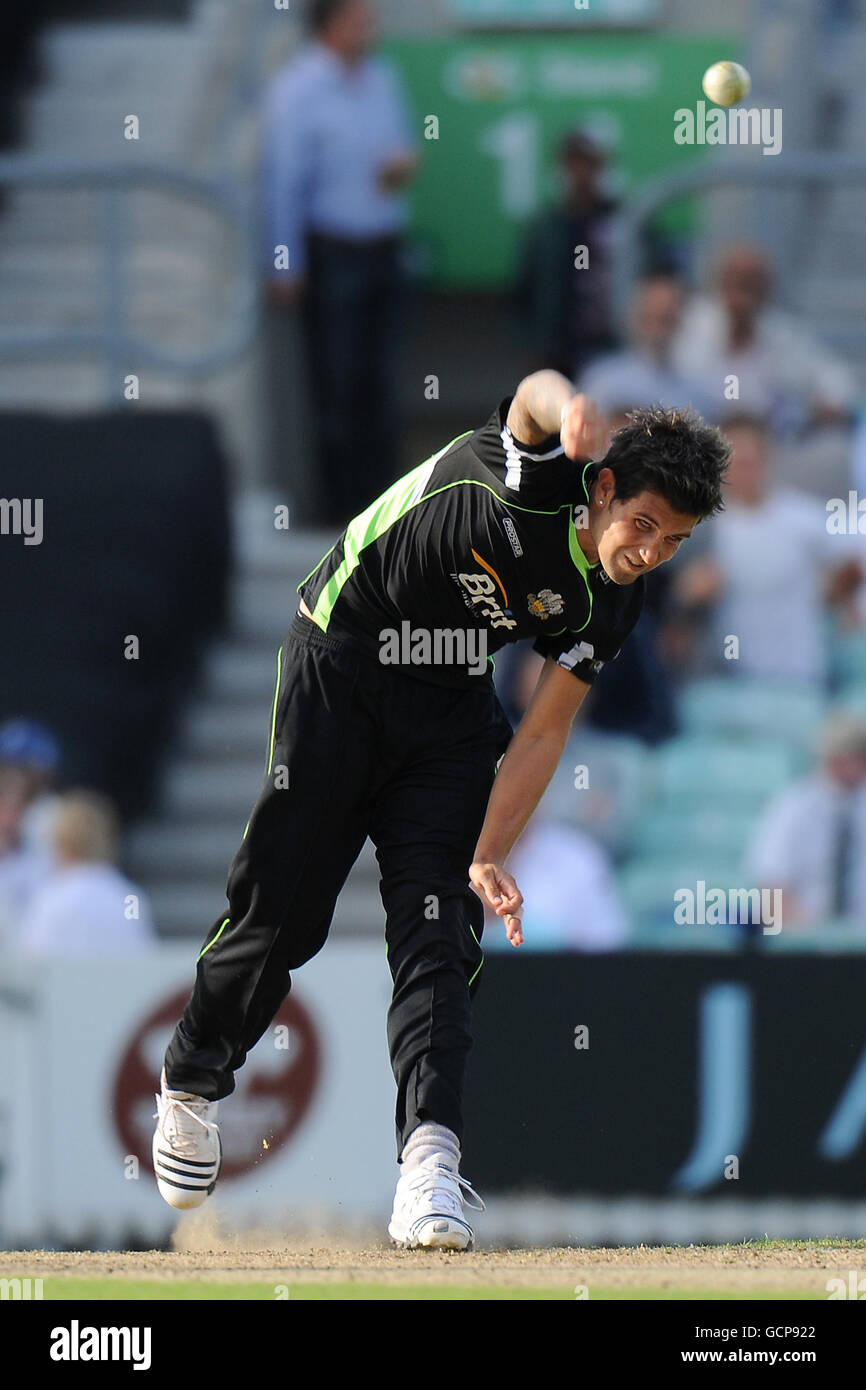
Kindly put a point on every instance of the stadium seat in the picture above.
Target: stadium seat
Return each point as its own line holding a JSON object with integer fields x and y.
{"x": 743, "y": 708}
{"x": 853, "y": 695}
{"x": 692, "y": 772}
{"x": 653, "y": 935}
{"x": 849, "y": 657}
{"x": 698, "y": 832}
{"x": 648, "y": 885}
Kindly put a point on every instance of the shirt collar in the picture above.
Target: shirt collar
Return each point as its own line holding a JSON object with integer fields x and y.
{"x": 577, "y": 554}
{"x": 332, "y": 63}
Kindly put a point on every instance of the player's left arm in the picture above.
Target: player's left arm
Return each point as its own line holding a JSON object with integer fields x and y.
{"x": 546, "y": 404}
{"x": 532, "y": 757}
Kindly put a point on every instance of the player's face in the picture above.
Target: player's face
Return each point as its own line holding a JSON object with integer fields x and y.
{"x": 635, "y": 536}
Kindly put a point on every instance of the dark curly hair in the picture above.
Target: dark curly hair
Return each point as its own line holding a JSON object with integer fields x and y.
{"x": 673, "y": 452}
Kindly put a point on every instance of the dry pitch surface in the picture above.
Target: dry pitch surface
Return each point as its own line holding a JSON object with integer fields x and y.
{"x": 795, "y": 1270}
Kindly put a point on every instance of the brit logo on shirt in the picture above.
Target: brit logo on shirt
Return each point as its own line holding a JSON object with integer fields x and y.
{"x": 545, "y": 604}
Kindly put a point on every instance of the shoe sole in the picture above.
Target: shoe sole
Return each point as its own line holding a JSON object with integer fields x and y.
{"x": 435, "y": 1233}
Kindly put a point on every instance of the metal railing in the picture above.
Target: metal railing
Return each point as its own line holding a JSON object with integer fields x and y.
{"x": 114, "y": 341}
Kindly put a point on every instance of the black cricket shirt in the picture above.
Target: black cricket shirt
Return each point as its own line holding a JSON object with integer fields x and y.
{"x": 481, "y": 539}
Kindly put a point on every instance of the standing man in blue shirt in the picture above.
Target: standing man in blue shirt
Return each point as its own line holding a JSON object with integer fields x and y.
{"x": 338, "y": 153}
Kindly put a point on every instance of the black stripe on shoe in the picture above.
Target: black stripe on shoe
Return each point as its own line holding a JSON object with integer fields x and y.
{"x": 191, "y": 1162}
{"x": 181, "y": 1172}
{"x": 187, "y": 1186}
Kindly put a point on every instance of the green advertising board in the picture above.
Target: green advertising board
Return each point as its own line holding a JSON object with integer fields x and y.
{"x": 490, "y": 110}
{"x": 534, "y": 12}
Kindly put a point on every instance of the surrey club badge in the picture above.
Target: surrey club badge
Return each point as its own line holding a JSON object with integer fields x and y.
{"x": 545, "y": 604}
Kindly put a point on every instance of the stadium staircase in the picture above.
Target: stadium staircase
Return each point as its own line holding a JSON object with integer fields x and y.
{"x": 182, "y": 72}
{"x": 183, "y": 77}
{"x": 182, "y": 855}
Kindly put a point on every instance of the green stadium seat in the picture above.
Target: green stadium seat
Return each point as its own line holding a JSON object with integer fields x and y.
{"x": 648, "y": 885}
{"x": 833, "y": 935}
{"x": 745, "y": 708}
{"x": 852, "y": 695}
{"x": 695, "y": 772}
{"x": 849, "y": 656}
{"x": 654, "y": 936}
{"x": 699, "y": 832}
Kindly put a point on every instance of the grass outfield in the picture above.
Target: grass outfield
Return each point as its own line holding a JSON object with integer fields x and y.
{"x": 296, "y": 1270}
{"x": 146, "y": 1290}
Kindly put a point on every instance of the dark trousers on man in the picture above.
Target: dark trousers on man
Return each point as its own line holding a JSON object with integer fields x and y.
{"x": 358, "y": 748}
{"x": 353, "y": 318}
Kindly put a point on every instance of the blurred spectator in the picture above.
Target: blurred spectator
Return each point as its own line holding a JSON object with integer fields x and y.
{"x": 28, "y": 763}
{"x": 858, "y": 455}
{"x": 840, "y": 22}
{"x": 22, "y": 869}
{"x": 766, "y": 569}
{"x": 18, "y": 67}
{"x": 811, "y": 840}
{"x": 565, "y": 310}
{"x": 634, "y": 694}
{"x": 32, "y": 748}
{"x": 571, "y": 902}
{"x": 563, "y": 871}
{"x": 643, "y": 373}
{"x": 87, "y": 906}
{"x": 783, "y": 373}
{"x": 566, "y": 313}
{"x": 338, "y": 151}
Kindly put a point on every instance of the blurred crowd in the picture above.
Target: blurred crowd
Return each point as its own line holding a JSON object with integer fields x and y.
{"x": 762, "y": 610}
{"x": 728, "y": 739}
{"x": 61, "y": 891}
{"x": 729, "y": 735}
{"x": 763, "y": 605}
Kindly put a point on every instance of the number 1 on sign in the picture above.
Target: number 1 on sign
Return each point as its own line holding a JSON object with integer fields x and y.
{"x": 515, "y": 142}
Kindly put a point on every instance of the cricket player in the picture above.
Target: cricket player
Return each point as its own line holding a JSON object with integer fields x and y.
{"x": 385, "y": 717}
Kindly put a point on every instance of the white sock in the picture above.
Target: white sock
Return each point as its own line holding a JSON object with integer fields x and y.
{"x": 429, "y": 1139}
{"x": 176, "y": 1095}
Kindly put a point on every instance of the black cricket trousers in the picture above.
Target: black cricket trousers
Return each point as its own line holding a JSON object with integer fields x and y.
{"x": 357, "y": 748}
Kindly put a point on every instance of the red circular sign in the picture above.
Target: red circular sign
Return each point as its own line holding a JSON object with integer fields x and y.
{"x": 273, "y": 1089}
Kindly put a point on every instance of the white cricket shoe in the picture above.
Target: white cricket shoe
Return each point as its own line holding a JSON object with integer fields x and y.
{"x": 187, "y": 1154}
{"x": 429, "y": 1207}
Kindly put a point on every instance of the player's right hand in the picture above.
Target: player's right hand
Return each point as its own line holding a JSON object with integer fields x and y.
{"x": 585, "y": 429}
{"x": 499, "y": 891}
